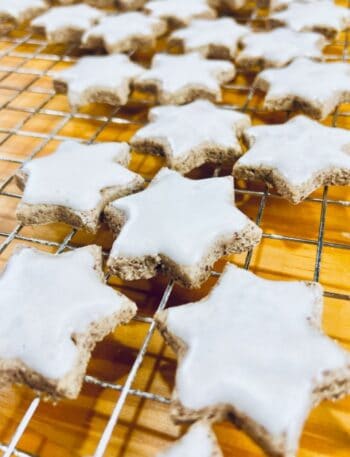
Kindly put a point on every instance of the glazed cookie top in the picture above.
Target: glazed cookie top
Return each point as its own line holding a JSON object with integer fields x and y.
{"x": 79, "y": 185}
{"x": 278, "y": 47}
{"x": 177, "y": 72}
{"x": 318, "y": 82}
{"x": 86, "y": 76}
{"x": 79, "y": 17}
{"x": 255, "y": 344}
{"x": 43, "y": 304}
{"x": 178, "y": 217}
{"x": 298, "y": 150}
{"x": 190, "y": 127}
{"x": 318, "y": 14}
{"x": 116, "y": 30}
{"x": 199, "y": 441}
{"x": 18, "y": 9}
{"x": 203, "y": 33}
{"x": 181, "y": 11}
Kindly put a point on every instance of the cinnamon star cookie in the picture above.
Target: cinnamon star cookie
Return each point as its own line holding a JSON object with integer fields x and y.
{"x": 124, "y": 32}
{"x": 177, "y": 226}
{"x": 85, "y": 83}
{"x": 66, "y": 24}
{"x": 215, "y": 38}
{"x": 178, "y": 79}
{"x": 54, "y": 309}
{"x": 316, "y": 88}
{"x": 296, "y": 157}
{"x": 74, "y": 184}
{"x": 191, "y": 135}
{"x": 316, "y": 16}
{"x": 253, "y": 351}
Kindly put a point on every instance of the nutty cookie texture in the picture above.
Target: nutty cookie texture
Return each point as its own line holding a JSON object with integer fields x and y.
{"x": 75, "y": 183}
{"x": 316, "y": 16}
{"x": 316, "y": 88}
{"x": 179, "y": 79}
{"x": 215, "y": 38}
{"x": 66, "y": 24}
{"x": 193, "y": 134}
{"x": 177, "y": 226}
{"x": 253, "y": 351}
{"x": 85, "y": 83}
{"x": 124, "y": 32}
{"x": 296, "y": 157}
{"x": 279, "y": 47}
{"x": 55, "y": 308}
{"x": 199, "y": 441}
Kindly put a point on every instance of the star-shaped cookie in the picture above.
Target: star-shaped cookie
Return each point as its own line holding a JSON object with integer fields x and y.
{"x": 85, "y": 83}
{"x": 199, "y": 441}
{"x": 74, "y": 184}
{"x": 278, "y": 47}
{"x": 179, "y": 12}
{"x": 253, "y": 351}
{"x": 296, "y": 157}
{"x": 124, "y": 32}
{"x": 171, "y": 133}
{"x": 177, "y": 226}
{"x": 318, "y": 16}
{"x": 54, "y": 309}
{"x": 178, "y": 79}
{"x": 216, "y": 38}
{"x": 316, "y": 88}
{"x": 65, "y": 24}
{"x": 21, "y": 10}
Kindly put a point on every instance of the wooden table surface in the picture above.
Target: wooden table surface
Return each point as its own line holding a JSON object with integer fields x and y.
{"x": 32, "y": 121}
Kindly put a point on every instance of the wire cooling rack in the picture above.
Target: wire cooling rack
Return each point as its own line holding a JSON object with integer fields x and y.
{"x": 31, "y": 110}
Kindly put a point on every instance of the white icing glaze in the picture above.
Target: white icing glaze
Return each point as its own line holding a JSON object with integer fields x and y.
{"x": 198, "y": 442}
{"x": 321, "y": 83}
{"x": 114, "y": 30}
{"x": 281, "y": 45}
{"x": 276, "y": 5}
{"x": 303, "y": 16}
{"x": 79, "y": 17}
{"x": 176, "y": 72}
{"x": 251, "y": 345}
{"x": 77, "y": 186}
{"x": 204, "y": 32}
{"x": 45, "y": 299}
{"x": 18, "y": 8}
{"x": 182, "y": 10}
{"x": 298, "y": 149}
{"x": 187, "y": 128}
{"x": 86, "y": 77}
{"x": 178, "y": 217}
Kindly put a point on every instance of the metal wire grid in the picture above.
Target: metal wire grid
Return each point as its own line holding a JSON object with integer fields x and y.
{"x": 125, "y": 389}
